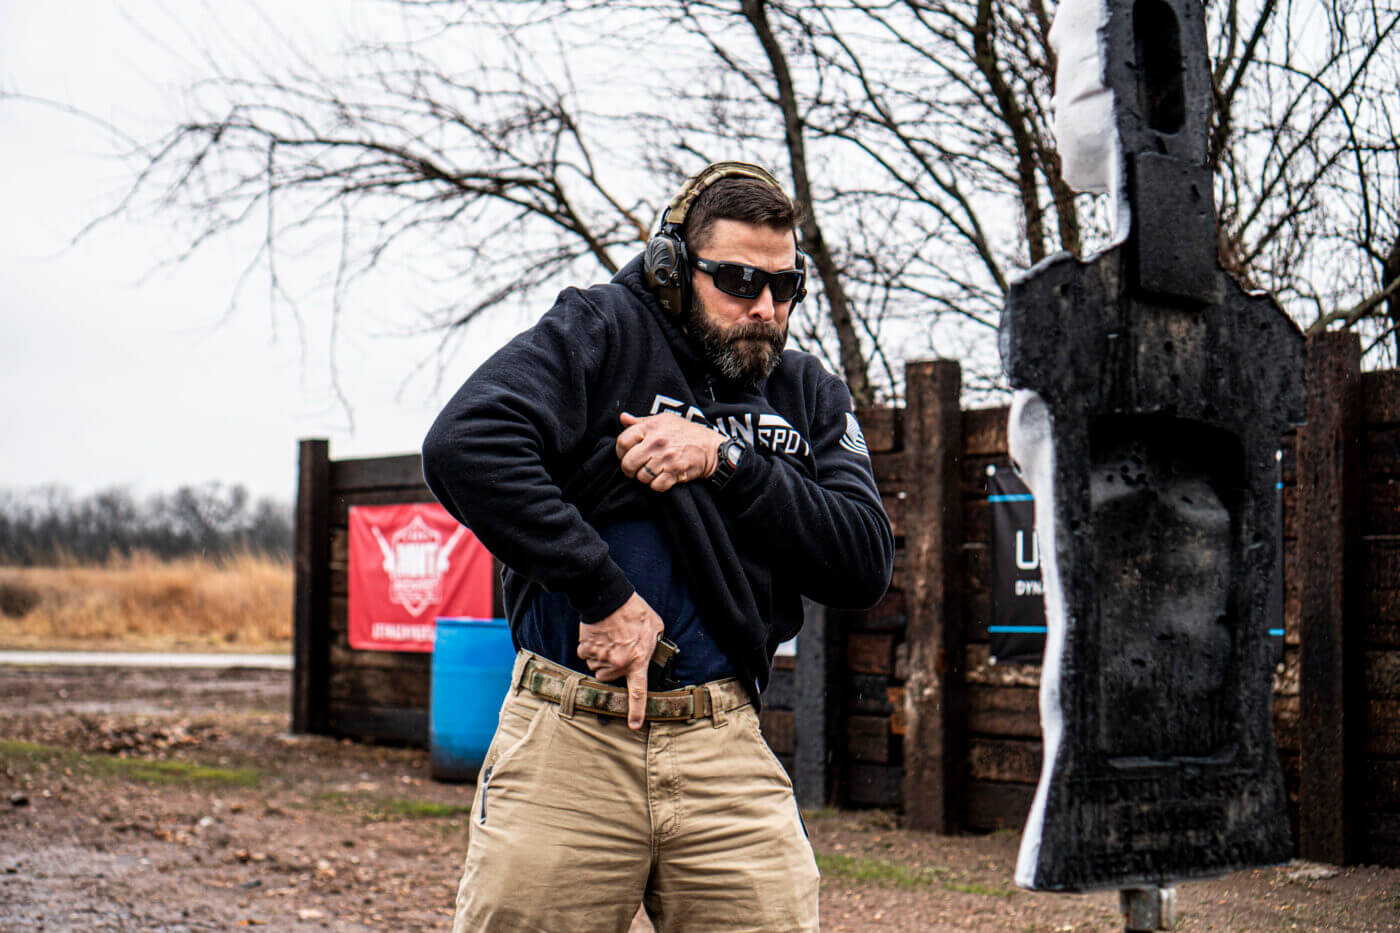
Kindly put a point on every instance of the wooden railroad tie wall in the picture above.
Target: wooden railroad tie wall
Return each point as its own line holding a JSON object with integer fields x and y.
{"x": 1379, "y": 721}
{"x": 1380, "y": 526}
{"x": 889, "y": 750}
{"x": 1347, "y": 756}
{"x": 1374, "y": 723}
{"x": 900, "y": 706}
{"x": 1343, "y": 584}
{"x": 1337, "y": 690}
{"x": 835, "y": 715}
{"x": 874, "y": 661}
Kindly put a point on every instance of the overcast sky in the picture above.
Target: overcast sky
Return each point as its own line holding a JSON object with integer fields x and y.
{"x": 117, "y": 372}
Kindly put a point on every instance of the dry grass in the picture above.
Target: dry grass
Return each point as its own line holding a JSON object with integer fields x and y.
{"x": 241, "y": 603}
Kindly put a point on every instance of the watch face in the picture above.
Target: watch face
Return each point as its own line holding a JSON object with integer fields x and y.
{"x": 732, "y": 453}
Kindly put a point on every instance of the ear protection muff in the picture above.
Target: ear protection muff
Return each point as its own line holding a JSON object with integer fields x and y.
{"x": 800, "y": 264}
{"x": 666, "y": 262}
{"x": 666, "y": 267}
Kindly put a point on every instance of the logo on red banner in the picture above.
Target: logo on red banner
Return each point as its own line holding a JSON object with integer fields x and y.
{"x": 410, "y": 564}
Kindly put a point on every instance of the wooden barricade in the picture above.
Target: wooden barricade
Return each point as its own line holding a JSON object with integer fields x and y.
{"x": 1371, "y": 592}
{"x": 900, "y": 706}
{"x": 338, "y": 690}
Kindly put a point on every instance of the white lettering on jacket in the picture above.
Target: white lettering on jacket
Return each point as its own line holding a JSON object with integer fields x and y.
{"x": 772, "y": 431}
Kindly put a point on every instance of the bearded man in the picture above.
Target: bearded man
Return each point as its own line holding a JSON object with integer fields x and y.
{"x": 663, "y": 483}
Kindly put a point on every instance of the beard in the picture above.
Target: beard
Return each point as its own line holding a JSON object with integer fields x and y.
{"x": 742, "y": 353}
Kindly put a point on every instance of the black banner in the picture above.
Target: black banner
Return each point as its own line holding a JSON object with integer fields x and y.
{"x": 1017, "y": 627}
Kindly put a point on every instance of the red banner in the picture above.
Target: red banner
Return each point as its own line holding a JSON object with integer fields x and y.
{"x": 410, "y": 564}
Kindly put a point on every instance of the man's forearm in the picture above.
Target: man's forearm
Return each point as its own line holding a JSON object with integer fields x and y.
{"x": 518, "y": 513}
{"x": 832, "y": 538}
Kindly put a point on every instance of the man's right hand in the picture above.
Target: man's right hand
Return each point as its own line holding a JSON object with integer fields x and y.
{"x": 620, "y": 645}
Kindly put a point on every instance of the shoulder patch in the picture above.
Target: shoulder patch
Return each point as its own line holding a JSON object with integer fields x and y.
{"x": 853, "y": 440}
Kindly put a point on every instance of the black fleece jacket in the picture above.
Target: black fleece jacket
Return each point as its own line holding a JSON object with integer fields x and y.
{"x": 523, "y": 456}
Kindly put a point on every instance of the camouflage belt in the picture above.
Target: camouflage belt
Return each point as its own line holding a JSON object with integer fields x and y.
{"x": 547, "y": 681}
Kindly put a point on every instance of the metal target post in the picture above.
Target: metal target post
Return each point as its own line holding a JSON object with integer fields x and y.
{"x": 1146, "y": 910}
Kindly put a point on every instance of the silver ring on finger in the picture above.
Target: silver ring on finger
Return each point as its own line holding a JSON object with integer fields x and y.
{"x": 648, "y": 470}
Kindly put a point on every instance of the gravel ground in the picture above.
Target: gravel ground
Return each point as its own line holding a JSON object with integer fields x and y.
{"x": 139, "y": 799}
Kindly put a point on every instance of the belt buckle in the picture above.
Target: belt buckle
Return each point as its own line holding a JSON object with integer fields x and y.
{"x": 697, "y": 695}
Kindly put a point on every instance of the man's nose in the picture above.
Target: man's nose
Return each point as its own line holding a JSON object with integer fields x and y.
{"x": 762, "y": 308}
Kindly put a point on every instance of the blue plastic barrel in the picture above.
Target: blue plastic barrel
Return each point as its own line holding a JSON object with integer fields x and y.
{"x": 472, "y": 661}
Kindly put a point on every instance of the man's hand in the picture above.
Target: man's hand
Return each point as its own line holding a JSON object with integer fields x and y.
{"x": 620, "y": 645}
{"x": 662, "y": 450}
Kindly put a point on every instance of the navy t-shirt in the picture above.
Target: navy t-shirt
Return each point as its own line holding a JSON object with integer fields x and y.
{"x": 549, "y": 627}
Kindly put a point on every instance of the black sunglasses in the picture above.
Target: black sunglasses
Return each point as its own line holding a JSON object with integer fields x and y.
{"x": 741, "y": 281}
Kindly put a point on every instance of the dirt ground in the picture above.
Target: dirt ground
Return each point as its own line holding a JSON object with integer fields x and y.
{"x": 175, "y": 800}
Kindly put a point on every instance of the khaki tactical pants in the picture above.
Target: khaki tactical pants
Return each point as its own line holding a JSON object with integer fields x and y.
{"x": 578, "y": 819}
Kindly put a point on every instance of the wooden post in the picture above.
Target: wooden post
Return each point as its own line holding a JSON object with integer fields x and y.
{"x": 311, "y": 604}
{"x": 817, "y": 707}
{"x": 1331, "y": 723}
{"x": 934, "y": 695}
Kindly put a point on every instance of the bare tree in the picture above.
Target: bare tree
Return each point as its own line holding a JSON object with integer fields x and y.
{"x": 952, "y": 110}
{"x": 1308, "y": 159}
{"x": 937, "y": 179}
{"x": 475, "y": 160}
{"x": 916, "y": 134}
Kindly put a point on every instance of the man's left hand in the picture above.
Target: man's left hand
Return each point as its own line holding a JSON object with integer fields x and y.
{"x": 662, "y": 450}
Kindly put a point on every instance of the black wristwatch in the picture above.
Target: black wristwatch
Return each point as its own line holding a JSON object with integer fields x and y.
{"x": 731, "y": 451}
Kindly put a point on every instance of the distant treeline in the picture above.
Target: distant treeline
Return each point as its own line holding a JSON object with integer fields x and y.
{"x": 50, "y": 525}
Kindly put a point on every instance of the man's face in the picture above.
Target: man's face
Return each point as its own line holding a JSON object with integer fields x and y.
{"x": 1083, "y": 107}
{"x": 742, "y": 338}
